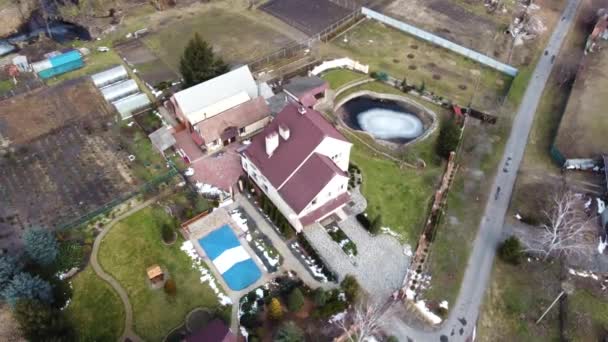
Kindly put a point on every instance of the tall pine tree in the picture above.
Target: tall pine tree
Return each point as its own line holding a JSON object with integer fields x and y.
{"x": 198, "y": 63}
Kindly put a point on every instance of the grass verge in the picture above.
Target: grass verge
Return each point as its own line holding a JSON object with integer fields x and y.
{"x": 95, "y": 310}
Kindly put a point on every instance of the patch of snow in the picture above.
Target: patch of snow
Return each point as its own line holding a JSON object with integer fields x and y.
{"x": 337, "y": 317}
{"x": 602, "y": 245}
{"x": 410, "y": 294}
{"x": 206, "y": 276}
{"x": 244, "y": 332}
{"x": 518, "y": 217}
{"x": 240, "y": 220}
{"x": 316, "y": 270}
{"x": 189, "y": 172}
{"x": 583, "y": 274}
{"x": 601, "y": 206}
{"x": 272, "y": 261}
{"x": 426, "y": 312}
{"x": 407, "y": 250}
{"x": 444, "y": 304}
{"x": 389, "y": 231}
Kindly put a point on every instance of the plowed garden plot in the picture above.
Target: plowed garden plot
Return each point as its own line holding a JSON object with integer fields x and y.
{"x": 61, "y": 156}
{"x": 149, "y": 67}
{"x": 308, "y": 16}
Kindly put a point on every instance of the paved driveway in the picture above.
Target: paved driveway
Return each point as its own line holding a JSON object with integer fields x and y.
{"x": 379, "y": 265}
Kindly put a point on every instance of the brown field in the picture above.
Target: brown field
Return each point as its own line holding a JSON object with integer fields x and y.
{"x": 469, "y": 24}
{"x": 583, "y": 125}
{"x": 59, "y": 158}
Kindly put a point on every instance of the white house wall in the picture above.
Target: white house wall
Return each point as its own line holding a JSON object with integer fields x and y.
{"x": 331, "y": 147}
{"x": 336, "y": 186}
{"x": 272, "y": 194}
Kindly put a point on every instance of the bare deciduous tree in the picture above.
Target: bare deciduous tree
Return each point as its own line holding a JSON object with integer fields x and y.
{"x": 568, "y": 231}
{"x": 362, "y": 323}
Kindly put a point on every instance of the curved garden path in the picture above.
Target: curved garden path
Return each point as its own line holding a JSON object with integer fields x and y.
{"x": 128, "y": 331}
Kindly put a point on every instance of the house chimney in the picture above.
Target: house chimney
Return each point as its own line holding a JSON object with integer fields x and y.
{"x": 284, "y": 131}
{"x": 272, "y": 142}
{"x": 302, "y": 110}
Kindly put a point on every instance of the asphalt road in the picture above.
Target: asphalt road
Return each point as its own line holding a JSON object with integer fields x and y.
{"x": 463, "y": 316}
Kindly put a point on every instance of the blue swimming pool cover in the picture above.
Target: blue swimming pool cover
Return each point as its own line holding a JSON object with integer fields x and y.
{"x": 230, "y": 258}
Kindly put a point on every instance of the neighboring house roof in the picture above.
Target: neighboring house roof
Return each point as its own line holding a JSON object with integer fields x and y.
{"x": 278, "y": 102}
{"x": 231, "y": 87}
{"x": 240, "y": 116}
{"x": 162, "y": 138}
{"x": 299, "y": 86}
{"x": 308, "y": 181}
{"x": 215, "y": 331}
{"x": 307, "y": 131}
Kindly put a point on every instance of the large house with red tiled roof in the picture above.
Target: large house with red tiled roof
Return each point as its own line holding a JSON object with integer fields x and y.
{"x": 300, "y": 161}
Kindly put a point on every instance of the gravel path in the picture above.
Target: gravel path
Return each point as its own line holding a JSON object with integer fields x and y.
{"x": 379, "y": 266}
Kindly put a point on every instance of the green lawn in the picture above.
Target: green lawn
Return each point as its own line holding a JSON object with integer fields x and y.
{"x": 402, "y": 56}
{"x": 401, "y": 196}
{"x": 339, "y": 77}
{"x": 135, "y": 244}
{"x": 148, "y": 163}
{"x": 95, "y": 310}
{"x": 236, "y": 37}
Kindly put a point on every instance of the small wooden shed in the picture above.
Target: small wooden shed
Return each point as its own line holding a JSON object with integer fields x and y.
{"x": 155, "y": 274}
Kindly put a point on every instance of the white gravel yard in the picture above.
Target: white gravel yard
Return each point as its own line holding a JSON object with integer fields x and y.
{"x": 379, "y": 265}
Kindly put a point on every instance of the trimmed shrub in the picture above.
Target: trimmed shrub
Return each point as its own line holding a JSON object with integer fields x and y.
{"x": 449, "y": 137}
{"x": 510, "y": 251}
{"x": 351, "y": 288}
{"x": 289, "y": 332}
{"x": 275, "y": 309}
{"x": 170, "y": 287}
{"x": 320, "y": 297}
{"x": 376, "y": 225}
{"x": 168, "y": 233}
{"x": 295, "y": 301}
{"x": 250, "y": 321}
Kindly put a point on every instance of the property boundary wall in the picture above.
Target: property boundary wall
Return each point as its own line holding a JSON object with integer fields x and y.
{"x": 339, "y": 63}
{"x": 434, "y": 39}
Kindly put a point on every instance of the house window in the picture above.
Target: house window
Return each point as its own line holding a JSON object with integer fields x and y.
{"x": 314, "y": 202}
{"x": 265, "y": 187}
{"x": 241, "y": 130}
{"x": 329, "y": 194}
